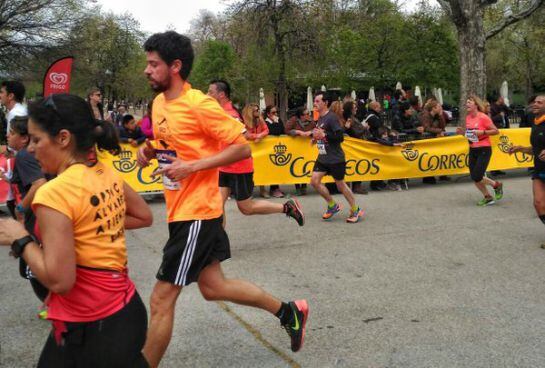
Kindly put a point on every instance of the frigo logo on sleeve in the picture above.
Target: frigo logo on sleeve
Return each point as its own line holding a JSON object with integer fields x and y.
{"x": 280, "y": 158}
{"x": 125, "y": 164}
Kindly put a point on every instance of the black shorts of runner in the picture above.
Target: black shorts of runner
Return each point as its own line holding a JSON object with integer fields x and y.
{"x": 115, "y": 341}
{"x": 192, "y": 245}
{"x": 479, "y": 157}
{"x": 337, "y": 171}
{"x": 538, "y": 175}
{"x": 241, "y": 185}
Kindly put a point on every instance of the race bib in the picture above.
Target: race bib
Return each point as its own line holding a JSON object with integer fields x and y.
{"x": 167, "y": 183}
{"x": 471, "y": 135}
{"x": 321, "y": 148}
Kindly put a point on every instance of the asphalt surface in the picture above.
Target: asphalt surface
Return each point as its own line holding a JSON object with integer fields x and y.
{"x": 428, "y": 279}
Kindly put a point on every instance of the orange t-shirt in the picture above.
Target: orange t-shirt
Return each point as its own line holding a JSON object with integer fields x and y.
{"x": 191, "y": 127}
{"x": 92, "y": 197}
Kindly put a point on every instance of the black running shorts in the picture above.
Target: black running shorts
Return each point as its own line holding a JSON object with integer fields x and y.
{"x": 335, "y": 170}
{"x": 115, "y": 341}
{"x": 192, "y": 245}
{"x": 241, "y": 185}
{"x": 479, "y": 157}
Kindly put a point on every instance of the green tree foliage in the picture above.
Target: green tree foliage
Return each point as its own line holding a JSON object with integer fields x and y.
{"x": 216, "y": 61}
{"x": 27, "y": 28}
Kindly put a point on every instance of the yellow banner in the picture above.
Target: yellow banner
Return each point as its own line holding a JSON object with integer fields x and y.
{"x": 125, "y": 164}
{"x": 289, "y": 160}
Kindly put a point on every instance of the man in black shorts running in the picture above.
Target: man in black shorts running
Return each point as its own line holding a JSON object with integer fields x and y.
{"x": 237, "y": 180}
{"x": 194, "y": 136}
{"x": 328, "y": 136}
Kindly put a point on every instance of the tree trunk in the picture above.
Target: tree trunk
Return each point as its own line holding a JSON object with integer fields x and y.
{"x": 472, "y": 41}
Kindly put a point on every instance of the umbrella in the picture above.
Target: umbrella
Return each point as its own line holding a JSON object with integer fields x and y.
{"x": 504, "y": 92}
{"x": 372, "y": 94}
{"x": 399, "y": 86}
{"x": 262, "y": 104}
{"x": 439, "y": 96}
{"x": 353, "y": 95}
{"x": 323, "y": 88}
{"x": 310, "y": 104}
{"x": 418, "y": 94}
{"x": 434, "y": 92}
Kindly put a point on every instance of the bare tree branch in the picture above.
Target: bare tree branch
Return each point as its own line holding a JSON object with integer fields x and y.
{"x": 513, "y": 18}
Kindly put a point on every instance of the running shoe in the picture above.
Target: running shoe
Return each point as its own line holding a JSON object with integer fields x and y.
{"x": 296, "y": 328}
{"x": 498, "y": 192}
{"x": 293, "y": 209}
{"x": 331, "y": 211}
{"x": 486, "y": 201}
{"x": 355, "y": 216}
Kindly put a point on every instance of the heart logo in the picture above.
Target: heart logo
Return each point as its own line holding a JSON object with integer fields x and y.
{"x": 58, "y": 78}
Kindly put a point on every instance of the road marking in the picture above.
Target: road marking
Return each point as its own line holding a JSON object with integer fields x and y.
{"x": 248, "y": 327}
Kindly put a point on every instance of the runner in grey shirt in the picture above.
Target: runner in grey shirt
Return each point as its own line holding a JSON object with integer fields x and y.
{"x": 328, "y": 136}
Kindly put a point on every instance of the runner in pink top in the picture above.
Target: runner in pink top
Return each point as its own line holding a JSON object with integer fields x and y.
{"x": 479, "y": 128}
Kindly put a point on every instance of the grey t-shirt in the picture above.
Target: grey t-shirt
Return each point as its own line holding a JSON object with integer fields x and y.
{"x": 330, "y": 152}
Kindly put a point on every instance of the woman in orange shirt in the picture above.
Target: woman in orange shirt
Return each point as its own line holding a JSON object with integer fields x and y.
{"x": 98, "y": 317}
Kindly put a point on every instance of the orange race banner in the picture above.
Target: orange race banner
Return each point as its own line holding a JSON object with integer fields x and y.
{"x": 289, "y": 160}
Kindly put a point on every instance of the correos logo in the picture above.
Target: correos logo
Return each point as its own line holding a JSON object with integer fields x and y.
{"x": 280, "y": 158}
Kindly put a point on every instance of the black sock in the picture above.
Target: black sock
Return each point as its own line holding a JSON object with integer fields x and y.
{"x": 542, "y": 218}
{"x": 284, "y": 313}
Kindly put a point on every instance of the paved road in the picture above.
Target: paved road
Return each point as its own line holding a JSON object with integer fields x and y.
{"x": 427, "y": 280}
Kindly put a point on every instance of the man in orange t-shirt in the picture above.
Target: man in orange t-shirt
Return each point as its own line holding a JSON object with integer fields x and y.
{"x": 194, "y": 137}
{"x": 237, "y": 179}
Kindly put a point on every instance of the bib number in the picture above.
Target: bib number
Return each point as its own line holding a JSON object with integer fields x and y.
{"x": 167, "y": 183}
{"x": 321, "y": 148}
{"x": 471, "y": 135}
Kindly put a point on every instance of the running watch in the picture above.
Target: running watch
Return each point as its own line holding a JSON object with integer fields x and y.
{"x": 18, "y": 246}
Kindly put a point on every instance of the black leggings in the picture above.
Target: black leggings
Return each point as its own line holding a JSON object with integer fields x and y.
{"x": 479, "y": 157}
{"x": 113, "y": 342}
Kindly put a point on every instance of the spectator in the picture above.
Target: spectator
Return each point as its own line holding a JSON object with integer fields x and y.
{"x": 415, "y": 104}
{"x": 374, "y": 119}
{"x": 406, "y": 122}
{"x": 94, "y": 98}
{"x": 527, "y": 120}
{"x": 276, "y": 127}
{"x": 256, "y": 130}
{"x": 12, "y": 94}
{"x": 27, "y": 178}
{"x": 301, "y": 125}
{"x": 433, "y": 121}
{"x": 121, "y": 111}
{"x": 499, "y": 113}
{"x": 354, "y": 128}
{"x": 145, "y": 123}
{"x": 129, "y": 132}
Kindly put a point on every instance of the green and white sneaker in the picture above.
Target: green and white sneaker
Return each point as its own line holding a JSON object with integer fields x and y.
{"x": 486, "y": 201}
{"x": 498, "y": 192}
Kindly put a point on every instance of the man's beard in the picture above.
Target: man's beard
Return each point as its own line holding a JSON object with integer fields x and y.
{"x": 160, "y": 86}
